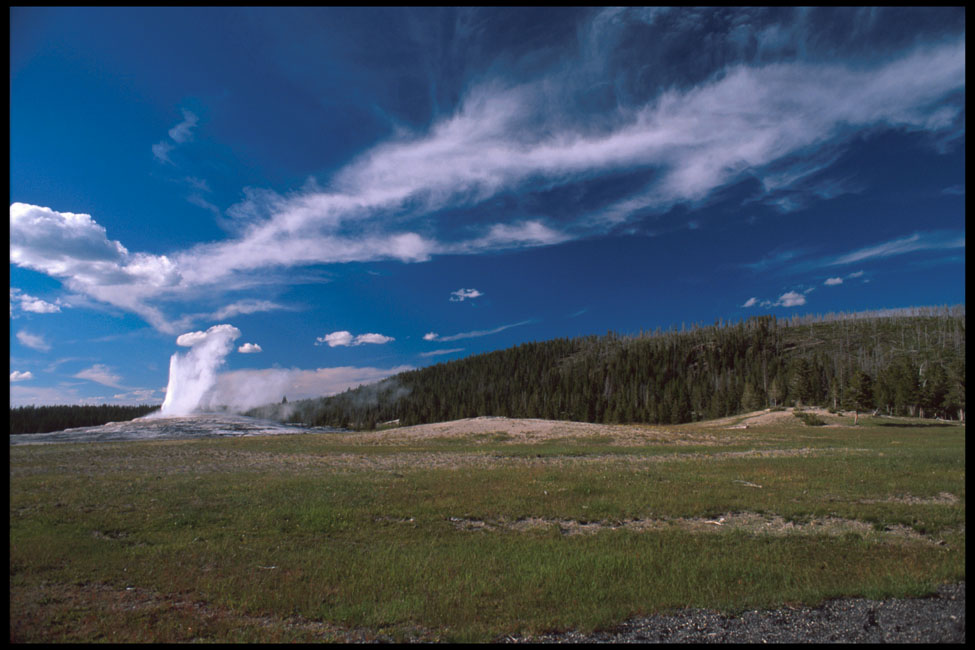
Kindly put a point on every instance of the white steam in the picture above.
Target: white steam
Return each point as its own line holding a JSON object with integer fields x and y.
{"x": 193, "y": 375}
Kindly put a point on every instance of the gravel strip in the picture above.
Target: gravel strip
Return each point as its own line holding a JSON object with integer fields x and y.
{"x": 937, "y": 619}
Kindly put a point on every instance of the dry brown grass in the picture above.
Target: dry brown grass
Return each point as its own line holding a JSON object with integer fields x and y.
{"x": 750, "y": 522}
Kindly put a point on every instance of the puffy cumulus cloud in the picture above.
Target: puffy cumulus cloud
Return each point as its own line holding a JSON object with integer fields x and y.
{"x": 378, "y": 339}
{"x": 101, "y": 374}
{"x": 34, "y": 341}
{"x": 240, "y": 390}
{"x": 463, "y": 294}
{"x": 430, "y": 336}
{"x": 833, "y": 281}
{"x": 55, "y": 242}
{"x": 335, "y": 339}
{"x": 29, "y": 303}
{"x": 344, "y": 339}
{"x": 75, "y": 249}
{"x": 791, "y": 299}
{"x": 16, "y": 375}
{"x": 249, "y": 348}
{"x": 217, "y": 333}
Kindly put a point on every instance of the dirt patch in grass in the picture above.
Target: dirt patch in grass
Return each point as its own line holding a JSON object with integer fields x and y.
{"x": 750, "y": 522}
{"x": 942, "y": 499}
{"x": 59, "y": 612}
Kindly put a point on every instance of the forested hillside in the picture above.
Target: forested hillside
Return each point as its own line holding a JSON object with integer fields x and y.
{"x": 903, "y": 362}
{"x": 41, "y": 419}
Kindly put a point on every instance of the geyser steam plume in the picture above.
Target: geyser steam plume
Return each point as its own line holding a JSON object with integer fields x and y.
{"x": 193, "y": 374}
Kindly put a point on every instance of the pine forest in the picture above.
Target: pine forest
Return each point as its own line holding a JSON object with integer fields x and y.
{"x": 907, "y": 362}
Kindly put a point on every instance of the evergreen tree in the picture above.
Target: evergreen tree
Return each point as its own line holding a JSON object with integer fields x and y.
{"x": 859, "y": 394}
{"x": 954, "y": 401}
{"x": 750, "y": 399}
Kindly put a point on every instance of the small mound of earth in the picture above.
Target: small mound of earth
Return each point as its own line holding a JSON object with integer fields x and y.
{"x": 520, "y": 430}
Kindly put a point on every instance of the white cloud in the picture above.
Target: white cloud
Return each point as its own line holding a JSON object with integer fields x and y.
{"x": 855, "y": 274}
{"x": 340, "y": 338}
{"x": 32, "y": 304}
{"x": 378, "y": 339}
{"x": 244, "y": 307}
{"x": 16, "y": 375}
{"x": 101, "y": 374}
{"x": 161, "y": 151}
{"x": 75, "y": 249}
{"x": 462, "y": 294}
{"x": 747, "y": 120}
{"x": 909, "y": 244}
{"x": 750, "y": 302}
{"x": 34, "y": 341}
{"x": 249, "y": 348}
{"x": 430, "y": 336}
{"x": 437, "y": 353}
{"x": 791, "y": 299}
{"x": 183, "y": 131}
{"x": 833, "y": 281}
{"x": 478, "y": 333}
{"x": 344, "y": 338}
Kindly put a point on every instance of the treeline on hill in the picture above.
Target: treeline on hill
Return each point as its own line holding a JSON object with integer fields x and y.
{"x": 902, "y": 362}
{"x": 41, "y": 419}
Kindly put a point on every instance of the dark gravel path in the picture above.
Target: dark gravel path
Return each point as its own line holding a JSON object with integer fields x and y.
{"x": 938, "y": 619}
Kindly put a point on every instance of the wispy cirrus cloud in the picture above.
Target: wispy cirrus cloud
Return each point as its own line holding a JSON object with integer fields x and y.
{"x": 919, "y": 241}
{"x": 474, "y": 334}
{"x": 182, "y": 132}
{"x": 437, "y": 353}
{"x": 753, "y": 118}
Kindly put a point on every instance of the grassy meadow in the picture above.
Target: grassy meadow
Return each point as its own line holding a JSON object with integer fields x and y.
{"x": 470, "y": 538}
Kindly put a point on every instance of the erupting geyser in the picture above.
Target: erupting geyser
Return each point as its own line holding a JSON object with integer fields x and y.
{"x": 193, "y": 374}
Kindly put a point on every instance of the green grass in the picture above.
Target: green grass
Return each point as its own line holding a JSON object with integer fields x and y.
{"x": 282, "y": 538}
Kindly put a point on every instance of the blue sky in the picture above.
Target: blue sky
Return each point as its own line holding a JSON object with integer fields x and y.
{"x": 362, "y": 191}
